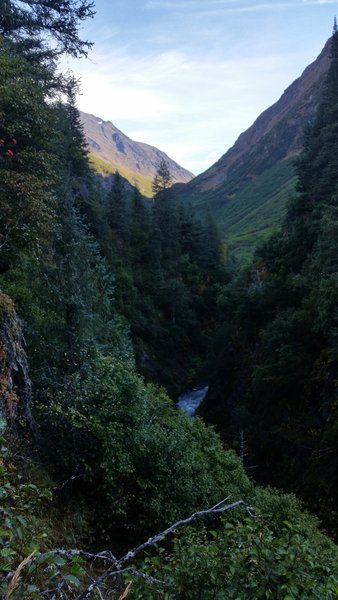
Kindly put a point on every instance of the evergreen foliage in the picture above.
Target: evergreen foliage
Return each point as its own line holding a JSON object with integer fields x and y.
{"x": 163, "y": 257}
{"x": 30, "y": 22}
{"x": 27, "y": 199}
{"x": 162, "y": 180}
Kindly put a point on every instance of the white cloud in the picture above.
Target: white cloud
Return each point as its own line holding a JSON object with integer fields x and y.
{"x": 261, "y": 7}
{"x": 314, "y": 2}
{"x": 179, "y": 103}
{"x": 219, "y": 7}
{"x": 188, "y": 3}
{"x": 191, "y": 77}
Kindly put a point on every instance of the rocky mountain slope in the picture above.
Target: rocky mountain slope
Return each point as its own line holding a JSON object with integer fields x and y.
{"x": 248, "y": 187}
{"x": 112, "y": 150}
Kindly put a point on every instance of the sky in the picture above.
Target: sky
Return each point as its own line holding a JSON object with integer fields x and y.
{"x": 188, "y": 76}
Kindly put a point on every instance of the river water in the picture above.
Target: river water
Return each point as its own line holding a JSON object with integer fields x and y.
{"x": 190, "y": 401}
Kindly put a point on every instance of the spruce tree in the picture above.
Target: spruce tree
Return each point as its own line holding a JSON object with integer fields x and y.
{"x": 31, "y": 22}
{"x": 162, "y": 180}
{"x": 118, "y": 211}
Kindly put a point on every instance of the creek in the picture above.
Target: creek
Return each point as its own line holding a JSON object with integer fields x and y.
{"x": 190, "y": 401}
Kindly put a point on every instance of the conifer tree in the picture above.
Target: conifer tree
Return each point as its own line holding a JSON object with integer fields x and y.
{"x": 162, "y": 180}
{"x": 212, "y": 242}
{"x": 74, "y": 147}
{"x": 27, "y": 158}
{"x": 31, "y": 22}
{"x": 140, "y": 232}
{"x": 118, "y": 210}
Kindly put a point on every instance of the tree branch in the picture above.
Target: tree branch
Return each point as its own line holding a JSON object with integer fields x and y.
{"x": 117, "y": 567}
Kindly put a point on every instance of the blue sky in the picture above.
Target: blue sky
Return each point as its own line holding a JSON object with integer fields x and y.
{"x": 188, "y": 76}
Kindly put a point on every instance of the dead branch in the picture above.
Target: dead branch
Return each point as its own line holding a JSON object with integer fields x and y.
{"x": 106, "y": 556}
{"x": 117, "y": 567}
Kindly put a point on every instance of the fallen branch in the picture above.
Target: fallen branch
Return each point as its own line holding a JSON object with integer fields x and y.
{"x": 221, "y": 507}
{"x": 106, "y": 556}
{"x": 117, "y": 567}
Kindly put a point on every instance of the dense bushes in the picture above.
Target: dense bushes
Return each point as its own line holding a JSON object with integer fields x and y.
{"x": 275, "y": 552}
{"x": 245, "y": 558}
{"x": 143, "y": 463}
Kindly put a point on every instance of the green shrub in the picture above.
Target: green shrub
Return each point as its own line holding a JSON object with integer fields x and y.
{"x": 260, "y": 557}
{"x": 31, "y": 523}
{"x": 143, "y": 463}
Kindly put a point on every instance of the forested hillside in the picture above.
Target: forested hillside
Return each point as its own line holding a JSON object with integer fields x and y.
{"x": 97, "y": 289}
{"x": 275, "y": 381}
{"x": 167, "y": 268}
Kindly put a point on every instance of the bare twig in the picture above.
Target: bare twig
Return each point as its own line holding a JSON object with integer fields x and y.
{"x": 69, "y": 480}
{"x": 221, "y": 507}
{"x": 112, "y": 572}
{"x": 146, "y": 577}
{"x": 126, "y": 592}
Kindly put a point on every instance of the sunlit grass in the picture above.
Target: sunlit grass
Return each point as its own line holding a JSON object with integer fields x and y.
{"x": 105, "y": 169}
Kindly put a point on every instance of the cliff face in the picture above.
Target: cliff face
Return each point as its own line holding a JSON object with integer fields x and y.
{"x": 247, "y": 187}
{"x": 15, "y": 385}
{"x": 112, "y": 150}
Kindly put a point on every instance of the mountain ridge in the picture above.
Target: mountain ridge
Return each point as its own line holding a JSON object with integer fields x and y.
{"x": 258, "y": 169}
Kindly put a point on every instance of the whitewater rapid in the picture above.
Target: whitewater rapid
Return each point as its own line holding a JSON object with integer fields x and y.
{"x": 190, "y": 401}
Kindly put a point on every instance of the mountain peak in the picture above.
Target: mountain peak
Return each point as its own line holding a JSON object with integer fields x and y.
{"x": 110, "y": 150}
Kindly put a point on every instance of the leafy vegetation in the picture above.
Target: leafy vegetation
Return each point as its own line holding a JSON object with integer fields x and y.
{"x": 276, "y": 553}
{"x": 245, "y": 558}
{"x": 127, "y": 444}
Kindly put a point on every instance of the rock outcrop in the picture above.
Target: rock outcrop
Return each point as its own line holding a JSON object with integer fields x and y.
{"x": 15, "y": 384}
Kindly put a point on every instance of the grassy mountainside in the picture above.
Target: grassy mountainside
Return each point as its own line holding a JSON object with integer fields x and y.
{"x": 112, "y": 150}
{"x": 248, "y": 188}
{"x": 258, "y": 209}
{"x": 106, "y": 169}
